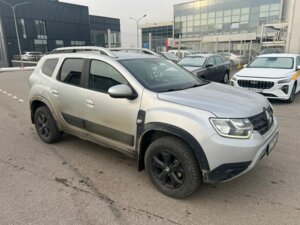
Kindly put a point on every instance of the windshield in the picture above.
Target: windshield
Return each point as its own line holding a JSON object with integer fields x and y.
{"x": 160, "y": 75}
{"x": 192, "y": 61}
{"x": 272, "y": 62}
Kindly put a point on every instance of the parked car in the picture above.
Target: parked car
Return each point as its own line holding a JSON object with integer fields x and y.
{"x": 32, "y": 56}
{"x": 234, "y": 59}
{"x": 169, "y": 56}
{"x": 182, "y": 129}
{"x": 276, "y": 76}
{"x": 207, "y": 66}
{"x": 180, "y": 53}
{"x": 270, "y": 51}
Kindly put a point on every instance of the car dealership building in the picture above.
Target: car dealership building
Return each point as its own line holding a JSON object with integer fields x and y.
{"x": 235, "y": 25}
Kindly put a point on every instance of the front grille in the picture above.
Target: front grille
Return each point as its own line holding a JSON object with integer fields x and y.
{"x": 255, "y": 84}
{"x": 263, "y": 121}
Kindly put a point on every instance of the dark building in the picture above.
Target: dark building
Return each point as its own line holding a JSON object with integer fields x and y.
{"x": 160, "y": 32}
{"x": 47, "y": 24}
{"x": 99, "y": 31}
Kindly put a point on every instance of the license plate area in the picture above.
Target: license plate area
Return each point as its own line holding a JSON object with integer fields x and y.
{"x": 258, "y": 90}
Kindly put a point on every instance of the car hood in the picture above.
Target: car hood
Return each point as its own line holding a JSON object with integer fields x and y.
{"x": 221, "y": 100}
{"x": 191, "y": 69}
{"x": 264, "y": 73}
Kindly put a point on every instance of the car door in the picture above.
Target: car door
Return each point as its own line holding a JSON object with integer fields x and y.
{"x": 210, "y": 69}
{"x": 109, "y": 120}
{"x": 220, "y": 68}
{"x": 67, "y": 94}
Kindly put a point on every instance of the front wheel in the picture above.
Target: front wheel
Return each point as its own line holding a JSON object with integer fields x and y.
{"x": 292, "y": 95}
{"x": 172, "y": 167}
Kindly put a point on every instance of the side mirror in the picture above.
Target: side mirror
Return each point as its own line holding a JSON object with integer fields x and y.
{"x": 244, "y": 66}
{"x": 209, "y": 65}
{"x": 121, "y": 91}
{"x": 298, "y": 68}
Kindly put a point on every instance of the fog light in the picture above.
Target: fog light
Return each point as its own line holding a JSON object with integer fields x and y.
{"x": 285, "y": 89}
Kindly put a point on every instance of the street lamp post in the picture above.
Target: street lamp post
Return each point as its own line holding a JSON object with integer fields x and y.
{"x": 13, "y": 7}
{"x": 137, "y": 28}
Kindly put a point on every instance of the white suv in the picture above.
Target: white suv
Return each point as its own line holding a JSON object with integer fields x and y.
{"x": 276, "y": 76}
{"x": 182, "y": 129}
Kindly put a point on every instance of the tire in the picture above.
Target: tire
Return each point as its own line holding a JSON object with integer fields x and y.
{"x": 292, "y": 95}
{"x": 231, "y": 63}
{"x": 46, "y": 126}
{"x": 172, "y": 167}
{"x": 226, "y": 78}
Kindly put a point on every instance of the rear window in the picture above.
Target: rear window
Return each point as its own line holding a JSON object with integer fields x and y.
{"x": 71, "y": 71}
{"x": 49, "y": 67}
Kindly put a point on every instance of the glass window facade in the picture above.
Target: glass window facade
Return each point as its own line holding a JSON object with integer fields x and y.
{"x": 214, "y": 17}
{"x": 161, "y": 33}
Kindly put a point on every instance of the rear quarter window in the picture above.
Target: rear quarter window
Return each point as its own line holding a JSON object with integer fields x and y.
{"x": 49, "y": 67}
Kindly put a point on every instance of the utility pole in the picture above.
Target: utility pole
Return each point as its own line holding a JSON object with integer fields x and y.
{"x": 137, "y": 28}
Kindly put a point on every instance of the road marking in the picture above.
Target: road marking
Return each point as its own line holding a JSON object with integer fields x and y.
{"x": 11, "y": 95}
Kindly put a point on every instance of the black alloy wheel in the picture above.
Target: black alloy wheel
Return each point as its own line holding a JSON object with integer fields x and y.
{"x": 173, "y": 167}
{"x": 168, "y": 169}
{"x": 46, "y": 126}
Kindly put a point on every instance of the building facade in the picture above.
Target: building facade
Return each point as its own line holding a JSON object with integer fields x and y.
{"x": 101, "y": 28}
{"x": 232, "y": 25}
{"x": 47, "y": 24}
{"x": 156, "y": 35}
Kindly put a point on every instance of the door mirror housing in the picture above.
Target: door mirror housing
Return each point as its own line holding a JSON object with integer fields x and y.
{"x": 121, "y": 91}
{"x": 209, "y": 65}
{"x": 298, "y": 68}
{"x": 244, "y": 66}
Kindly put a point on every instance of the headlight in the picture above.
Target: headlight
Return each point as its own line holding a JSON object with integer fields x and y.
{"x": 233, "y": 78}
{"x": 287, "y": 80}
{"x": 233, "y": 128}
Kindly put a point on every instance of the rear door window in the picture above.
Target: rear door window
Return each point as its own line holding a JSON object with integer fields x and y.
{"x": 71, "y": 71}
{"x": 49, "y": 67}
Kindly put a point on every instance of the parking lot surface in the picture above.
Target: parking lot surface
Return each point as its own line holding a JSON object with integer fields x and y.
{"x": 77, "y": 182}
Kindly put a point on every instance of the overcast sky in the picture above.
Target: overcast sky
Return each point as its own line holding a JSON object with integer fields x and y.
{"x": 156, "y": 10}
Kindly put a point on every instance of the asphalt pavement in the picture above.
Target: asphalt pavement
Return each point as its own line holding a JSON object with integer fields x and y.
{"x": 77, "y": 182}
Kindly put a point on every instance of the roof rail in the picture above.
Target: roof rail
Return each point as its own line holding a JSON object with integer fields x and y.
{"x": 139, "y": 50}
{"x": 103, "y": 51}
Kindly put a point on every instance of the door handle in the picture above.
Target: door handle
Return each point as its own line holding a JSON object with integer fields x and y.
{"x": 89, "y": 102}
{"x": 54, "y": 92}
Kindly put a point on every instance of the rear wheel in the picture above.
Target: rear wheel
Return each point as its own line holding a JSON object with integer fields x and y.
{"x": 172, "y": 167}
{"x": 226, "y": 78}
{"x": 292, "y": 95}
{"x": 46, "y": 126}
{"x": 231, "y": 63}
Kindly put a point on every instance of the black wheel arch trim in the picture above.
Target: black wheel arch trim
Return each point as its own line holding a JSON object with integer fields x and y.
{"x": 143, "y": 129}
{"x": 46, "y": 103}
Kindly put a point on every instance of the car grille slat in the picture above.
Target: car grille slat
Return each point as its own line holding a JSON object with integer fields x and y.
{"x": 255, "y": 84}
{"x": 261, "y": 123}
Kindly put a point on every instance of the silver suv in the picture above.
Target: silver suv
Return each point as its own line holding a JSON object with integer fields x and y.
{"x": 182, "y": 129}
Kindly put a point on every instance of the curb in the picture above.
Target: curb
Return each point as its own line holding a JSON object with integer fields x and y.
{"x": 13, "y": 69}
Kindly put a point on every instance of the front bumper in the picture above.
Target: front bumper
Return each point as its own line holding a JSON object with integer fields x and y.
{"x": 240, "y": 155}
{"x": 278, "y": 91}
